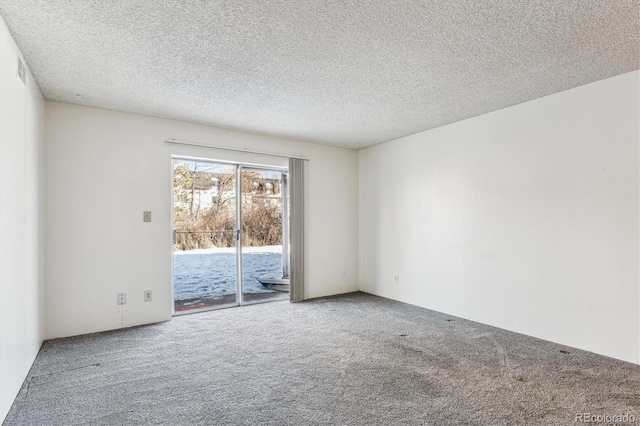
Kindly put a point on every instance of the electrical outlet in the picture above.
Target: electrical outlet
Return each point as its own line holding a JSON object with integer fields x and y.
{"x": 146, "y": 216}
{"x": 396, "y": 279}
{"x": 148, "y": 295}
{"x": 122, "y": 298}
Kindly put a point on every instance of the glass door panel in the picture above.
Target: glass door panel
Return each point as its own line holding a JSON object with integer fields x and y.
{"x": 204, "y": 259}
{"x": 263, "y": 213}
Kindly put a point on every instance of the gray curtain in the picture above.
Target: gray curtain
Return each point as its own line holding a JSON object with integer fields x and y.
{"x": 296, "y": 219}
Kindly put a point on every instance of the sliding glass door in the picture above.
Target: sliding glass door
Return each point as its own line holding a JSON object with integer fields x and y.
{"x": 230, "y": 235}
{"x": 265, "y": 273}
{"x": 205, "y": 235}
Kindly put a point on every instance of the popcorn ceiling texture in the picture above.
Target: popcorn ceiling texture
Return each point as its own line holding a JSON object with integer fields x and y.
{"x": 343, "y": 73}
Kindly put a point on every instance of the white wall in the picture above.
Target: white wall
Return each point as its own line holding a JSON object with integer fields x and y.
{"x": 525, "y": 218}
{"x": 21, "y": 222}
{"x": 105, "y": 167}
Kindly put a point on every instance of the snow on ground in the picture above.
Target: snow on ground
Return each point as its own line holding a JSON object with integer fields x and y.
{"x": 212, "y": 272}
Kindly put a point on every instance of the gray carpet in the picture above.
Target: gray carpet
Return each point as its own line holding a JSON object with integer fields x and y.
{"x": 354, "y": 359}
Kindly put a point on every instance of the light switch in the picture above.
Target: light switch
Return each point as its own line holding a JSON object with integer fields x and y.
{"x": 146, "y": 216}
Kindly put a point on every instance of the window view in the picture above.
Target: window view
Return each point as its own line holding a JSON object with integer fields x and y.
{"x": 207, "y": 222}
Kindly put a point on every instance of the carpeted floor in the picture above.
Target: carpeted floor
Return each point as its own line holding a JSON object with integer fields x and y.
{"x": 354, "y": 359}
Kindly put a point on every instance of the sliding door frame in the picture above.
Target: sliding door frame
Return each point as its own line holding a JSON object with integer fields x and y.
{"x": 239, "y": 166}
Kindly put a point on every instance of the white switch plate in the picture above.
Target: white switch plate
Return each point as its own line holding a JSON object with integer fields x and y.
{"x": 146, "y": 216}
{"x": 148, "y": 295}
{"x": 122, "y": 298}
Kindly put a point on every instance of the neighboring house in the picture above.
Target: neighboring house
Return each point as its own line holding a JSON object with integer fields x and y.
{"x": 207, "y": 189}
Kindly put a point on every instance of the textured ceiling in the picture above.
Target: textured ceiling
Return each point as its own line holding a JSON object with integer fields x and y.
{"x": 349, "y": 73}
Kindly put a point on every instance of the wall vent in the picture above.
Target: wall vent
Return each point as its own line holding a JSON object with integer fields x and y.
{"x": 22, "y": 71}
